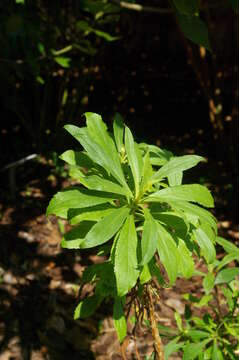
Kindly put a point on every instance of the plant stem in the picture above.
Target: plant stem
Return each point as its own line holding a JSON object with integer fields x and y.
{"x": 158, "y": 345}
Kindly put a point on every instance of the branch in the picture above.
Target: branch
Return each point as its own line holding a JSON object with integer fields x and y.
{"x": 139, "y": 7}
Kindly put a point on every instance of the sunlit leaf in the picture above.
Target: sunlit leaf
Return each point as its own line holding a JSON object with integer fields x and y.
{"x": 126, "y": 263}
{"x": 194, "y": 193}
{"x": 106, "y": 228}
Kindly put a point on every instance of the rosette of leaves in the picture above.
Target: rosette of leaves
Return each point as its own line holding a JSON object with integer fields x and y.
{"x": 130, "y": 203}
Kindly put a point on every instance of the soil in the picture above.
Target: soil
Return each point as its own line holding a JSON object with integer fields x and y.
{"x": 40, "y": 281}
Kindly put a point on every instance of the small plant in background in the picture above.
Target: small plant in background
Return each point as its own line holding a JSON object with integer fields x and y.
{"x": 216, "y": 335}
{"x": 131, "y": 206}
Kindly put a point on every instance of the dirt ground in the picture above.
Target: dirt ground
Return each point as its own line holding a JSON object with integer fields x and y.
{"x": 40, "y": 282}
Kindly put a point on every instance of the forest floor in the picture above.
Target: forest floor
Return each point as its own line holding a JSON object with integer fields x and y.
{"x": 39, "y": 281}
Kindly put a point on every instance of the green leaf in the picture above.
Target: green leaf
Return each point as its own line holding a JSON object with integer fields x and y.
{"x": 171, "y": 220}
{"x": 118, "y": 127}
{"x": 192, "y": 209}
{"x": 208, "y": 282}
{"x": 216, "y": 352}
{"x": 176, "y": 165}
{"x": 226, "y": 275}
{"x": 105, "y": 36}
{"x": 204, "y": 300}
{"x": 191, "y": 351}
{"x": 73, "y": 238}
{"x": 126, "y": 264}
{"x": 195, "y": 193}
{"x": 147, "y": 172}
{"x": 134, "y": 158}
{"x": 145, "y": 275}
{"x": 87, "y": 307}
{"x": 74, "y": 198}
{"x": 155, "y": 271}
{"x": 227, "y": 259}
{"x": 187, "y": 7}
{"x": 197, "y": 335}
{"x": 228, "y": 246}
{"x": 178, "y": 320}
{"x": 186, "y": 264}
{"x": 195, "y": 30}
{"x": 168, "y": 253}
{"x": 119, "y": 319}
{"x": 98, "y": 183}
{"x": 99, "y": 147}
{"x": 78, "y": 158}
{"x": 172, "y": 347}
{"x": 175, "y": 179}
{"x": 149, "y": 240}
{"x": 106, "y": 228}
{"x": 92, "y": 213}
{"x": 63, "y": 61}
{"x": 205, "y": 244}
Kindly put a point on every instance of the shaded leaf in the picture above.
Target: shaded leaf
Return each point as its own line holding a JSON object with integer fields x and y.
{"x": 226, "y": 275}
{"x": 87, "y": 307}
{"x": 208, "y": 282}
{"x": 191, "y": 351}
{"x": 195, "y": 30}
{"x": 119, "y": 319}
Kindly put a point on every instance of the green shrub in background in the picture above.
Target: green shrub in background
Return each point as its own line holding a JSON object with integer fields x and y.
{"x": 132, "y": 207}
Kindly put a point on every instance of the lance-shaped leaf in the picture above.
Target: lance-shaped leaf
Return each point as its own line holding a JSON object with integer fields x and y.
{"x": 134, "y": 158}
{"x": 76, "y": 198}
{"x": 185, "y": 264}
{"x": 147, "y": 172}
{"x": 171, "y": 347}
{"x": 105, "y": 156}
{"x": 95, "y": 182}
{"x": 118, "y": 127}
{"x": 73, "y": 238}
{"x": 194, "y": 192}
{"x": 227, "y": 245}
{"x": 106, "y": 228}
{"x": 191, "y": 351}
{"x": 202, "y": 214}
{"x": 187, "y": 7}
{"x": 92, "y": 213}
{"x": 78, "y": 158}
{"x": 226, "y": 275}
{"x": 205, "y": 244}
{"x": 87, "y": 307}
{"x": 176, "y": 165}
{"x": 119, "y": 319}
{"x": 126, "y": 263}
{"x": 168, "y": 253}
{"x": 195, "y": 30}
{"x": 149, "y": 239}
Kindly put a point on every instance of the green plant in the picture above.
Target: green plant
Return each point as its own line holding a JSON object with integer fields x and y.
{"x": 216, "y": 335}
{"x": 135, "y": 211}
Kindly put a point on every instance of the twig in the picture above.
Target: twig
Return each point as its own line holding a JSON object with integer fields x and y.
{"x": 142, "y": 8}
{"x": 158, "y": 345}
